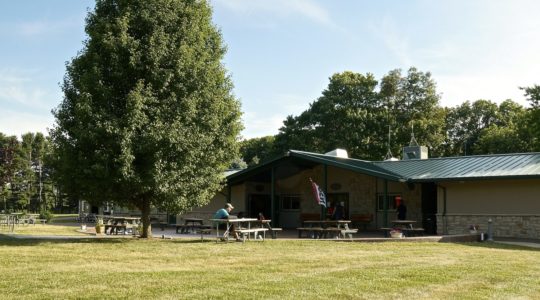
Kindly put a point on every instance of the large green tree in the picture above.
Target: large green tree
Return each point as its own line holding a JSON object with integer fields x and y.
{"x": 533, "y": 96}
{"x": 508, "y": 134}
{"x": 9, "y": 146}
{"x": 465, "y": 123}
{"x": 345, "y": 116}
{"x": 148, "y": 116}
{"x": 412, "y": 105}
{"x": 355, "y": 113}
{"x": 260, "y": 149}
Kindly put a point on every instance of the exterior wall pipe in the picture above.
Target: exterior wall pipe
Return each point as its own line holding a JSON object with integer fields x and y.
{"x": 385, "y": 205}
{"x": 445, "y": 222}
{"x": 272, "y": 196}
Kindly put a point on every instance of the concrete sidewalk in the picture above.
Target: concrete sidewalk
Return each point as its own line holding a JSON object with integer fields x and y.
{"x": 169, "y": 232}
{"x": 532, "y": 243}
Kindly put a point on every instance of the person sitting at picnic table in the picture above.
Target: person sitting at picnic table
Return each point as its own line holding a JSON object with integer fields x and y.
{"x": 224, "y": 213}
{"x": 402, "y": 211}
{"x": 339, "y": 211}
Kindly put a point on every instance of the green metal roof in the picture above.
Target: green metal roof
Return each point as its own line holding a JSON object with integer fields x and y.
{"x": 357, "y": 165}
{"x": 522, "y": 165}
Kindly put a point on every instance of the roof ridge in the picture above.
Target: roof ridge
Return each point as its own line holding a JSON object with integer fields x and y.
{"x": 464, "y": 157}
{"x": 371, "y": 163}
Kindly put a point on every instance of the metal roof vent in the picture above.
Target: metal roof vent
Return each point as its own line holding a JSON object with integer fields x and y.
{"x": 338, "y": 153}
{"x": 414, "y": 151}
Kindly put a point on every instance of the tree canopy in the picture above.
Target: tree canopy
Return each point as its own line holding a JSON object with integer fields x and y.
{"x": 25, "y": 176}
{"x": 361, "y": 114}
{"x": 355, "y": 113}
{"x": 148, "y": 116}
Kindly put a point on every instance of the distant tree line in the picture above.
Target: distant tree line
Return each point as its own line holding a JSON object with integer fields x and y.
{"x": 27, "y": 178}
{"x": 372, "y": 119}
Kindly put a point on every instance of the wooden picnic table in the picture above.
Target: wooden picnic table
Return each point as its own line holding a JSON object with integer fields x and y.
{"x": 321, "y": 228}
{"x": 241, "y": 230}
{"x": 405, "y": 226}
{"x": 9, "y": 221}
{"x": 116, "y": 224}
{"x": 191, "y": 225}
{"x": 403, "y": 223}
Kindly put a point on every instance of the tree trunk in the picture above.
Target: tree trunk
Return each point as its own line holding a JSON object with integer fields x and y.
{"x": 145, "y": 212}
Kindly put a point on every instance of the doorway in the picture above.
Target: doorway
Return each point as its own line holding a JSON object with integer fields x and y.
{"x": 259, "y": 203}
{"x": 335, "y": 199}
{"x": 429, "y": 207}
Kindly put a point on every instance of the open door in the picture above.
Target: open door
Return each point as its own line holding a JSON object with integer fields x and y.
{"x": 259, "y": 203}
{"x": 429, "y": 207}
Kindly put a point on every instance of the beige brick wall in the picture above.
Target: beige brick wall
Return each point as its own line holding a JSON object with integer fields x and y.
{"x": 504, "y": 225}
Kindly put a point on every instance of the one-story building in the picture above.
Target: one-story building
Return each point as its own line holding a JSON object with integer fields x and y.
{"x": 443, "y": 195}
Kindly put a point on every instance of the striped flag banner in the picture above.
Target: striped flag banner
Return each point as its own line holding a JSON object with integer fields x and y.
{"x": 318, "y": 194}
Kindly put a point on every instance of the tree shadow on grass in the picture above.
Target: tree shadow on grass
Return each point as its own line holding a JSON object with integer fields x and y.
{"x": 496, "y": 245}
{"x": 9, "y": 240}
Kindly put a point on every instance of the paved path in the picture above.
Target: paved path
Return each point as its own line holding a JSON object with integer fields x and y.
{"x": 170, "y": 233}
{"x": 518, "y": 242}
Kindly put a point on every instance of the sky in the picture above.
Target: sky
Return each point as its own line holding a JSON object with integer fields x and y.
{"x": 282, "y": 52}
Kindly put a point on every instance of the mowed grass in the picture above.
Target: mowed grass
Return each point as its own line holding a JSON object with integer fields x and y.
{"x": 43, "y": 229}
{"x": 274, "y": 269}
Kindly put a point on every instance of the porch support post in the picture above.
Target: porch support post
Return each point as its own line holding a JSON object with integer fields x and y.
{"x": 229, "y": 192}
{"x": 273, "y": 196}
{"x": 385, "y": 204}
{"x": 445, "y": 226}
{"x": 325, "y": 190}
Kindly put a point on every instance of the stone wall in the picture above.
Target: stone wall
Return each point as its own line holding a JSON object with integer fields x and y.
{"x": 504, "y": 225}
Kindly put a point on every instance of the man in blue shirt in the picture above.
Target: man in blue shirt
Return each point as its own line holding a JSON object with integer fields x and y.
{"x": 224, "y": 214}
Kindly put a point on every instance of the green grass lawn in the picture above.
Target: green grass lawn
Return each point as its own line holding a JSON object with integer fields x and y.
{"x": 47, "y": 229}
{"x": 274, "y": 269}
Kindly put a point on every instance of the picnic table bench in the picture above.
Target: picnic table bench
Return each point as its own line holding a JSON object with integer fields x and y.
{"x": 42, "y": 221}
{"x": 183, "y": 228}
{"x": 322, "y": 229}
{"x": 413, "y": 231}
{"x": 274, "y": 231}
{"x": 242, "y": 226}
{"x": 116, "y": 224}
{"x": 264, "y": 223}
{"x": 364, "y": 220}
{"x": 408, "y": 232}
{"x": 203, "y": 231}
{"x": 244, "y": 233}
{"x": 120, "y": 227}
{"x": 312, "y": 232}
{"x": 191, "y": 225}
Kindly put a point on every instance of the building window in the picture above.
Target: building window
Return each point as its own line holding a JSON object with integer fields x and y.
{"x": 392, "y": 200}
{"x": 290, "y": 202}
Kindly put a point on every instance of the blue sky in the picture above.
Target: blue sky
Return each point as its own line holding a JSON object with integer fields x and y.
{"x": 281, "y": 52}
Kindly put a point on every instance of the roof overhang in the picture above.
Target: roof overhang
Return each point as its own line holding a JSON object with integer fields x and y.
{"x": 300, "y": 160}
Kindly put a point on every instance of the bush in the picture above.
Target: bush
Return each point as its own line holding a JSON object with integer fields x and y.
{"x": 45, "y": 214}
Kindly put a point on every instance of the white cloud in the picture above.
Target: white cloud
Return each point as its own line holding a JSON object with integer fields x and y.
{"x": 258, "y": 125}
{"x": 17, "y": 87}
{"x": 497, "y": 53}
{"x": 18, "y": 123}
{"x": 267, "y": 116}
{"x": 45, "y": 27}
{"x": 292, "y": 104}
{"x": 281, "y": 8}
{"x": 394, "y": 40}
